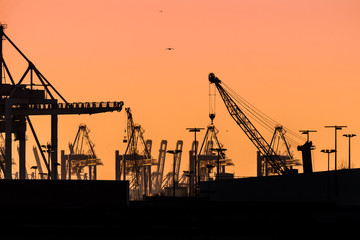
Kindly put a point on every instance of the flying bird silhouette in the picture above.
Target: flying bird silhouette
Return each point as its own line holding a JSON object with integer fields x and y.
{"x": 169, "y": 48}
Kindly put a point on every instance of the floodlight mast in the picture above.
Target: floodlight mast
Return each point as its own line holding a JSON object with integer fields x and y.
{"x": 249, "y": 129}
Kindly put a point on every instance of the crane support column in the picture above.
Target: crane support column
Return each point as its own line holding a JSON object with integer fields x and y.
{"x": 54, "y": 148}
{"x": 8, "y": 139}
{"x": 22, "y": 147}
{"x": 94, "y": 172}
{"x": 117, "y": 166}
{"x": 63, "y": 165}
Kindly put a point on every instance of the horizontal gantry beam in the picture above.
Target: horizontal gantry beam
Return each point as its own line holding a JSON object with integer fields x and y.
{"x": 50, "y": 108}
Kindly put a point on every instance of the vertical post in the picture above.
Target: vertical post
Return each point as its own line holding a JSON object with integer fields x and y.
{"x": 349, "y": 153}
{"x": 54, "y": 148}
{"x": 329, "y": 151}
{"x": 335, "y": 150}
{"x": 218, "y": 166}
{"x": 197, "y": 163}
{"x": 149, "y": 182}
{"x": 124, "y": 167}
{"x": 336, "y": 128}
{"x": 219, "y": 150}
{"x": 1, "y": 54}
{"x": 191, "y": 172}
{"x": 8, "y": 139}
{"x": 90, "y": 172}
{"x": 94, "y": 173}
{"x": 349, "y": 136}
{"x": 69, "y": 164}
{"x": 117, "y": 166}
{"x": 197, "y": 168}
{"x": 63, "y": 165}
{"x": 22, "y": 164}
{"x": 174, "y": 174}
{"x": 174, "y": 152}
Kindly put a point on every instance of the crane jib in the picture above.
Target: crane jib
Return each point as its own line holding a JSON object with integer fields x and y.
{"x": 249, "y": 129}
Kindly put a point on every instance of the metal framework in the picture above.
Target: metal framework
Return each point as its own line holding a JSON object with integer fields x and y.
{"x": 249, "y": 129}
{"x": 282, "y": 149}
{"x": 20, "y": 100}
{"x": 157, "y": 176}
{"x": 136, "y": 162}
{"x": 170, "y": 177}
{"x": 207, "y": 158}
{"x": 82, "y": 155}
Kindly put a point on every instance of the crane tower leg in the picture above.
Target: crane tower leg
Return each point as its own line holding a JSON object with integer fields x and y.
{"x": 22, "y": 144}
{"x": 117, "y": 166}
{"x": 90, "y": 173}
{"x": 54, "y": 141}
{"x": 8, "y": 139}
{"x": 63, "y": 165}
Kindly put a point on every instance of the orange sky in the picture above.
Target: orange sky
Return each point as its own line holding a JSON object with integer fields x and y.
{"x": 297, "y": 61}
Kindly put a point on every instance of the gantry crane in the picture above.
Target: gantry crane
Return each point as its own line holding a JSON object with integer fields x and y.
{"x": 136, "y": 162}
{"x": 207, "y": 158}
{"x": 82, "y": 154}
{"x": 157, "y": 175}
{"x": 20, "y": 100}
{"x": 249, "y": 129}
{"x": 173, "y": 176}
{"x": 282, "y": 149}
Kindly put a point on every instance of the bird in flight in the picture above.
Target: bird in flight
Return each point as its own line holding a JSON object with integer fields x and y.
{"x": 169, "y": 48}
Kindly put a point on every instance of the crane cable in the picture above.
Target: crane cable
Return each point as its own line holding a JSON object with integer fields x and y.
{"x": 261, "y": 118}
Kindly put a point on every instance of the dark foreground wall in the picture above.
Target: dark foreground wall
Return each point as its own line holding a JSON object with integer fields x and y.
{"x": 340, "y": 187}
{"x": 64, "y": 193}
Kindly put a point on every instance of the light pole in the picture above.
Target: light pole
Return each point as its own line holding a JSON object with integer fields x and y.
{"x": 328, "y": 151}
{"x": 218, "y": 150}
{"x": 349, "y": 136}
{"x": 307, "y": 132}
{"x": 188, "y": 175}
{"x": 50, "y": 149}
{"x": 336, "y": 128}
{"x": 174, "y": 152}
{"x": 195, "y": 130}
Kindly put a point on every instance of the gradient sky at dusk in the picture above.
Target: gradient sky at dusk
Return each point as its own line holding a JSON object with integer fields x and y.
{"x": 297, "y": 61}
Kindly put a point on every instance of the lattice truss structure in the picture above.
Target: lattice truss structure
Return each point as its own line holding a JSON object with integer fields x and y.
{"x": 245, "y": 115}
{"x": 208, "y": 158}
{"x": 34, "y": 95}
{"x": 137, "y": 159}
{"x": 283, "y": 149}
{"x": 82, "y": 156}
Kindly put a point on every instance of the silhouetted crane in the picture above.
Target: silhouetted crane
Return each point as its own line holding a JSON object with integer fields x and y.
{"x": 249, "y": 129}
{"x": 136, "y": 162}
{"x": 19, "y": 101}
{"x": 82, "y": 154}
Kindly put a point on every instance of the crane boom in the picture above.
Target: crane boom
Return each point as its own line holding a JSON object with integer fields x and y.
{"x": 249, "y": 129}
